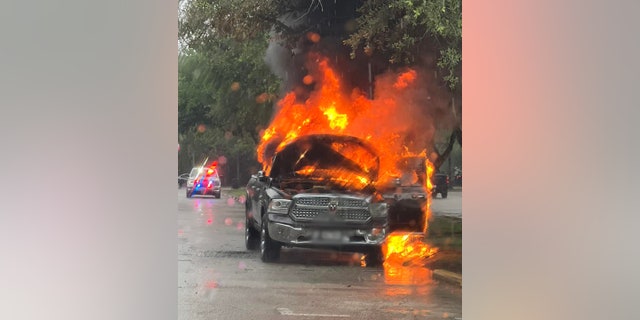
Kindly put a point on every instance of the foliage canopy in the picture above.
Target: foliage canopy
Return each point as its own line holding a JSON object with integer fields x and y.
{"x": 226, "y": 92}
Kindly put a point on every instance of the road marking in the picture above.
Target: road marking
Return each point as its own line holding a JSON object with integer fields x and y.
{"x": 288, "y": 312}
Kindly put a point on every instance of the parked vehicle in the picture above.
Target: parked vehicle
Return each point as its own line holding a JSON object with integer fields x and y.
{"x": 317, "y": 194}
{"x": 440, "y": 183}
{"x": 182, "y": 180}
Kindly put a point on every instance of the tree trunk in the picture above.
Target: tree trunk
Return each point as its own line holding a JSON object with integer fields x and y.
{"x": 238, "y": 167}
{"x": 455, "y": 135}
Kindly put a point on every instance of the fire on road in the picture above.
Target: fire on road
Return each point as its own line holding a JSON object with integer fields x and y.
{"x": 219, "y": 279}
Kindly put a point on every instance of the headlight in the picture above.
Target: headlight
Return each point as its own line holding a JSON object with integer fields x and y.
{"x": 378, "y": 209}
{"x": 280, "y": 206}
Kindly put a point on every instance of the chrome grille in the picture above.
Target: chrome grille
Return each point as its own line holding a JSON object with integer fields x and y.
{"x": 354, "y": 214}
{"x": 304, "y": 214}
{"x": 352, "y": 203}
{"x": 315, "y": 201}
{"x": 348, "y": 210}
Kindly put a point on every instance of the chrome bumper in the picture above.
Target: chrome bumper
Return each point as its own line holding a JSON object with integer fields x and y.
{"x": 289, "y": 234}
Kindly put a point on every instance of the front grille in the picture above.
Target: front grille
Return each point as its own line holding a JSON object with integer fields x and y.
{"x": 315, "y": 201}
{"x": 354, "y": 203}
{"x": 354, "y": 214}
{"x": 317, "y": 208}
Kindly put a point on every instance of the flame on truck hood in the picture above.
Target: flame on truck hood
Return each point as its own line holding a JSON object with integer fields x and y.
{"x": 344, "y": 162}
{"x": 387, "y": 122}
{"x": 302, "y": 133}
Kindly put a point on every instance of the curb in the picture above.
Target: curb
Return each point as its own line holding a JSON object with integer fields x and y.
{"x": 448, "y": 276}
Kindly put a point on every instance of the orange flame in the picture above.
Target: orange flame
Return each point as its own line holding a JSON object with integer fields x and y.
{"x": 403, "y": 247}
{"x": 405, "y": 79}
{"x": 404, "y": 255}
{"x": 336, "y": 120}
{"x": 330, "y": 109}
{"x": 385, "y": 122}
{"x": 404, "y": 252}
{"x": 429, "y": 186}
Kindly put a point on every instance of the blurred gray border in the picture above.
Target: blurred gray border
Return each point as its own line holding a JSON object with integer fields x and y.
{"x": 88, "y": 122}
{"x": 551, "y": 154}
{"x": 88, "y": 89}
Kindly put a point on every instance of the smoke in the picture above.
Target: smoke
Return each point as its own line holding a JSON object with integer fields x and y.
{"x": 284, "y": 57}
{"x": 398, "y": 121}
{"x": 278, "y": 58}
{"x": 407, "y": 106}
{"x": 416, "y": 103}
{"x": 313, "y": 26}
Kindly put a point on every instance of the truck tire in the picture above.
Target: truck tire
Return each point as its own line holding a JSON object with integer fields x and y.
{"x": 374, "y": 257}
{"x": 251, "y": 236}
{"x": 269, "y": 248}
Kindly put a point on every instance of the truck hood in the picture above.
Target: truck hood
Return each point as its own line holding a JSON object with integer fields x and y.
{"x": 324, "y": 160}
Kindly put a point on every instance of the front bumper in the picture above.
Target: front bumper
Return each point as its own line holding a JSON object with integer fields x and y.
{"x": 204, "y": 191}
{"x": 316, "y": 236}
{"x": 406, "y": 193}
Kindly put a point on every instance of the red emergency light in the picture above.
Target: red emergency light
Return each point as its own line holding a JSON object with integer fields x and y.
{"x": 212, "y": 168}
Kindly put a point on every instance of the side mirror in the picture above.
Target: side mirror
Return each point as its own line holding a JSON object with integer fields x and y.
{"x": 262, "y": 177}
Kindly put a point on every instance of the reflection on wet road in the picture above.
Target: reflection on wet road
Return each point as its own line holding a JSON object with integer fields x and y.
{"x": 219, "y": 279}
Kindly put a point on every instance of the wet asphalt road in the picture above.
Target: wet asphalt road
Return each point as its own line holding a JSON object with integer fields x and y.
{"x": 450, "y": 206}
{"x": 219, "y": 279}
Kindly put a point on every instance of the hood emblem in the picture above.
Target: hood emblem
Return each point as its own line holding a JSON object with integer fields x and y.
{"x": 333, "y": 206}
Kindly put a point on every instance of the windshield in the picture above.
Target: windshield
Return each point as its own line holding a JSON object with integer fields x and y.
{"x": 194, "y": 172}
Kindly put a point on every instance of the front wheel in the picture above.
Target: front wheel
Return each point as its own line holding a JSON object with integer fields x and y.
{"x": 251, "y": 236}
{"x": 374, "y": 257}
{"x": 269, "y": 248}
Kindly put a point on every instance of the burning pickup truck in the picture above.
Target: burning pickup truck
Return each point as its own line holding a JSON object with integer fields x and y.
{"x": 319, "y": 192}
